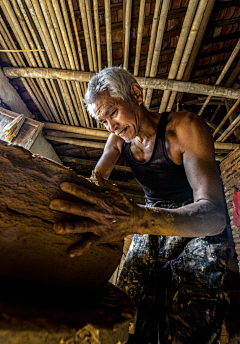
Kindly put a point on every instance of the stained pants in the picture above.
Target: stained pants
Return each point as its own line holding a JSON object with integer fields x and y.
{"x": 180, "y": 286}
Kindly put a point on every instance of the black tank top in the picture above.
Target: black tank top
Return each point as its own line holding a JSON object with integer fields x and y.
{"x": 160, "y": 177}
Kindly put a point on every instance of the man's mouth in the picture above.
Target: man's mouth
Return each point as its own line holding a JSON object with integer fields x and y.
{"x": 122, "y": 133}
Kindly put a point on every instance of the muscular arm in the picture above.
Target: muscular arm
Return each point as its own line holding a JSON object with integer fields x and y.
{"x": 206, "y": 216}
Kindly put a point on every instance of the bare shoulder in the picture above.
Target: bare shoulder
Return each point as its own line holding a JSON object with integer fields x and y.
{"x": 114, "y": 142}
{"x": 183, "y": 119}
{"x": 190, "y": 130}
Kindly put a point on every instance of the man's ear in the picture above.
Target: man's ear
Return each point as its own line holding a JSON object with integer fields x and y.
{"x": 136, "y": 93}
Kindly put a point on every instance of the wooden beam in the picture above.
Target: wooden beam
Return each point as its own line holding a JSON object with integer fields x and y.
{"x": 92, "y": 163}
{"x": 100, "y": 133}
{"x": 76, "y": 142}
{"x": 150, "y": 83}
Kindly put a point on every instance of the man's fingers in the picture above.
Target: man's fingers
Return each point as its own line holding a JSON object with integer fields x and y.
{"x": 105, "y": 184}
{"x": 86, "y": 244}
{"x": 80, "y": 192}
{"x": 79, "y": 227}
{"x": 73, "y": 208}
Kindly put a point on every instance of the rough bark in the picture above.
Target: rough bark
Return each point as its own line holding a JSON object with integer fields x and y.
{"x": 30, "y": 251}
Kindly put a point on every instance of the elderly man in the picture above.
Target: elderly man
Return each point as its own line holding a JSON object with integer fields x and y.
{"x": 176, "y": 266}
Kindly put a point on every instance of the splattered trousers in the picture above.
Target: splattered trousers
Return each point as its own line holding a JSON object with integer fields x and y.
{"x": 180, "y": 286}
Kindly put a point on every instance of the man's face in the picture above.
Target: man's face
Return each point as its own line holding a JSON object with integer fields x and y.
{"x": 117, "y": 115}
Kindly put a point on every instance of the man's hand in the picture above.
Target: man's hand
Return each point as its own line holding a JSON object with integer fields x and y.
{"x": 110, "y": 216}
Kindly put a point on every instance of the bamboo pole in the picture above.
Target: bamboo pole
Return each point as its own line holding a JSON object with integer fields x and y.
{"x": 91, "y": 32}
{"x": 65, "y": 38}
{"x": 24, "y": 81}
{"x": 76, "y": 34}
{"x": 96, "y": 20}
{"x": 47, "y": 40}
{"x": 127, "y": 31}
{"x": 24, "y": 21}
{"x": 139, "y": 36}
{"x": 82, "y": 85}
{"x": 196, "y": 47}
{"x": 157, "y": 48}
{"x": 223, "y": 73}
{"x": 226, "y": 117}
{"x": 51, "y": 84}
{"x": 86, "y": 33}
{"x": 6, "y": 37}
{"x": 76, "y": 142}
{"x": 52, "y": 21}
{"x": 69, "y": 33}
{"x": 152, "y": 40}
{"x": 101, "y": 134}
{"x": 13, "y": 21}
{"x": 19, "y": 50}
{"x": 232, "y": 127}
{"x": 191, "y": 9}
{"x": 108, "y": 31}
{"x": 151, "y": 83}
{"x": 189, "y": 46}
{"x": 225, "y": 146}
{"x": 73, "y": 135}
{"x": 38, "y": 19}
{"x": 232, "y": 117}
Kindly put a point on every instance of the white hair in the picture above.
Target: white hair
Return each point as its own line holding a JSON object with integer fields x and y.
{"x": 116, "y": 80}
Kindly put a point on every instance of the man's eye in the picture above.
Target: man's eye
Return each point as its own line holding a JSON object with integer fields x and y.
{"x": 113, "y": 113}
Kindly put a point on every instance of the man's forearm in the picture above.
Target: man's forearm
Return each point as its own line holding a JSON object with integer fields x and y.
{"x": 198, "y": 219}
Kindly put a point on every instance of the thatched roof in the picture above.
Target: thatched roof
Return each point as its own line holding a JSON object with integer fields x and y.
{"x": 196, "y": 41}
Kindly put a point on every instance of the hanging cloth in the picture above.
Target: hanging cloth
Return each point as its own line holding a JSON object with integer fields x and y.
{"x": 236, "y": 207}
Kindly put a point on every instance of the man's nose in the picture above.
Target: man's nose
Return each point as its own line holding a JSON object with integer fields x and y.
{"x": 112, "y": 126}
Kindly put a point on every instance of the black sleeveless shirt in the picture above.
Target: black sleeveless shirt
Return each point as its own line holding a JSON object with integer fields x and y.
{"x": 160, "y": 177}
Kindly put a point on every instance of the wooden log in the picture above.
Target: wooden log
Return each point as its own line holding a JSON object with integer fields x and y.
{"x": 92, "y": 163}
{"x": 58, "y": 133}
{"x": 76, "y": 142}
{"x": 150, "y": 83}
{"x": 101, "y": 134}
{"x": 31, "y": 253}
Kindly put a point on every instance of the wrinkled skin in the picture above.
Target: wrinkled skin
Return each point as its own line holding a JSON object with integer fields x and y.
{"x": 106, "y": 214}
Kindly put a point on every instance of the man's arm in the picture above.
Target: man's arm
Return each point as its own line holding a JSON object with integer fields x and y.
{"x": 206, "y": 216}
{"x": 109, "y": 157}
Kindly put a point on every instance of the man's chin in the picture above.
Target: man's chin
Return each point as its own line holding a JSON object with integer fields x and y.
{"x": 129, "y": 140}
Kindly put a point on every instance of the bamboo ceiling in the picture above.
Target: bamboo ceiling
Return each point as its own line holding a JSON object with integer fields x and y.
{"x": 196, "y": 41}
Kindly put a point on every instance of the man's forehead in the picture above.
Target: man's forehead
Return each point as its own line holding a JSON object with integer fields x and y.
{"x": 103, "y": 105}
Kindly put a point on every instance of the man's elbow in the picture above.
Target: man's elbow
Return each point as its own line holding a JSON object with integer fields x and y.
{"x": 220, "y": 222}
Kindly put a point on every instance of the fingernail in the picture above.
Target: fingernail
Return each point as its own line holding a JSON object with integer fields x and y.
{"x": 52, "y": 205}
